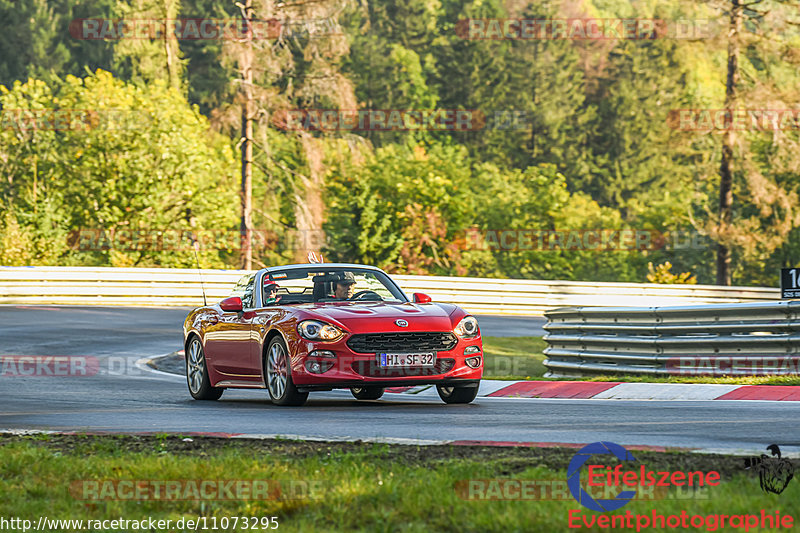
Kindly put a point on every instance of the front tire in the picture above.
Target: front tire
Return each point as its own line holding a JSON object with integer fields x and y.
{"x": 197, "y": 373}
{"x": 457, "y": 394}
{"x": 278, "y": 376}
{"x": 367, "y": 393}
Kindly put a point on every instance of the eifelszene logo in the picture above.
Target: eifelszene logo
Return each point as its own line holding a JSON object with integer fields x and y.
{"x": 774, "y": 472}
{"x": 607, "y": 477}
{"x": 574, "y": 478}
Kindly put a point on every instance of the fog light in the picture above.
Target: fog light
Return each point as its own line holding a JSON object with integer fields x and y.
{"x": 323, "y": 353}
{"x": 318, "y": 367}
{"x": 473, "y": 362}
{"x": 472, "y": 349}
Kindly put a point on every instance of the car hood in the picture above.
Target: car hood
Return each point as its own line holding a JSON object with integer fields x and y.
{"x": 378, "y": 317}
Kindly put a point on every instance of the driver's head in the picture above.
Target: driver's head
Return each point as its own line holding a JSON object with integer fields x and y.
{"x": 344, "y": 286}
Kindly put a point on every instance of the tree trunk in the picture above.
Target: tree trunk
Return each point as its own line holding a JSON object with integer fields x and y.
{"x": 534, "y": 129}
{"x": 171, "y": 48}
{"x": 246, "y": 227}
{"x": 309, "y": 211}
{"x": 728, "y": 143}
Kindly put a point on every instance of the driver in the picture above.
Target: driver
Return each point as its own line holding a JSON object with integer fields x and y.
{"x": 343, "y": 286}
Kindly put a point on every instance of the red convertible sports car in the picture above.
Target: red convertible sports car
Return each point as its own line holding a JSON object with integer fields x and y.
{"x": 316, "y": 327}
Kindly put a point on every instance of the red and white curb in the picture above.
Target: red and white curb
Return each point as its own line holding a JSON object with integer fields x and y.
{"x": 598, "y": 390}
{"x": 609, "y": 390}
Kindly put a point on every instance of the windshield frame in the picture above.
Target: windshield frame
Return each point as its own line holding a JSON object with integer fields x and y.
{"x": 382, "y": 276}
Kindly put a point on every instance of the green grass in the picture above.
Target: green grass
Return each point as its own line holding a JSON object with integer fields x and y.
{"x": 354, "y": 486}
{"x": 513, "y": 357}
{"x": 737, "y": 380}
{"x": 522, "y": 358}
{"x": 729, "y": 380}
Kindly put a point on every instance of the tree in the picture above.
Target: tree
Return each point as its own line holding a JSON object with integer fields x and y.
{"x": 769, "y": 208}
{"x": 35, "y": 41}
{"x": 139, "y": 168}
{"x": 149, "y": 60}
{"x": 374, "y": 205}
{"x": 297, "y": 68}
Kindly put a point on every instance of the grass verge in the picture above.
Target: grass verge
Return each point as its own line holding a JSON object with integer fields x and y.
{"x": 342, "y": 486}
{"x": 731, "y": 380}
{"x": 513, "y": 358}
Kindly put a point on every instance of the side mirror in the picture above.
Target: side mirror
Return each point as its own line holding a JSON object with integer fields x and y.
{"x": 421, "y": 298}
{"x": 232, "y": 304}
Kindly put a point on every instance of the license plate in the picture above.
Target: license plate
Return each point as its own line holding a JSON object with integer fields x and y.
{"x": 394, "y": 360}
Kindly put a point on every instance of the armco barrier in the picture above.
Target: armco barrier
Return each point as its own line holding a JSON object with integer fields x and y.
{"x": 181, "y": 287}
{"x": 726, "y": 339}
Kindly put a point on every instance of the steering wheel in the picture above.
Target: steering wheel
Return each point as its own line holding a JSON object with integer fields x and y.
{"x": 359, "y": 294}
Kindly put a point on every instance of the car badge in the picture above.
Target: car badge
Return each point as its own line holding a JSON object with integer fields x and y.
{"x": 400, "y": 322}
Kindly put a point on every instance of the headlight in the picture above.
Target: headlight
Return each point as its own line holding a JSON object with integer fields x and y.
{"x": 467, "y": 328}
{"x": 314, "y": 330}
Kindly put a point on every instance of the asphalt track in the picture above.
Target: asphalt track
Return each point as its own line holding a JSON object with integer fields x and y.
{"x": 121, "y": 397}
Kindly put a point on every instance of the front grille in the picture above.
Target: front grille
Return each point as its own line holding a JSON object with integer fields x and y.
{"x": 371, "y": 369}
{"x": 405, "y": 342}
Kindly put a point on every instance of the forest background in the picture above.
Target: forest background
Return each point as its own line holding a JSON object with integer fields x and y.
{"x": 571, "y": 136}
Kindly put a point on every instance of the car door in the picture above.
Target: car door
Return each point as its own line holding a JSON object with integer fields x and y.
{"x": 230, "y": 342}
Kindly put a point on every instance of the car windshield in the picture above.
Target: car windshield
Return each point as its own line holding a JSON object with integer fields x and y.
{"x": 329, "y": 285}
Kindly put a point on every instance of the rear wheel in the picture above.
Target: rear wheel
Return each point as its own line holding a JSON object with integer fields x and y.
{"x": 367, "y": 393}
{"x": 197, "y": 373}
{"x": 457, "y": 394}
{"x": 278, "y": 376}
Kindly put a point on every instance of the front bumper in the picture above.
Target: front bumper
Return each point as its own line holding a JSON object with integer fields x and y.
{"x": 351, "y": 369}
{"x": 387, "y": 384}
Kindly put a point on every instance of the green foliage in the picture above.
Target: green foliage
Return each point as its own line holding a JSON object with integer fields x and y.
{"x": 35, "y": 40}
{"x": 537, "y": 200}
{"x": 662, "y": 274}
{"x": 418, "y": 210}
{"x": 513, "y": 358}
{"x": 145, "y": 60}
{"x": 371, "y": 205}
{"x": 593, "y": 148}
{"x": 40, "y": 238}
{"x": 16, "y": 248}
{"x": 142, "y": 160}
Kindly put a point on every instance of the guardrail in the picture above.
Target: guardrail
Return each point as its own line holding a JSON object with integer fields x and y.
{"x": 181, "y": 287}
{"x": 717, "y": 340}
